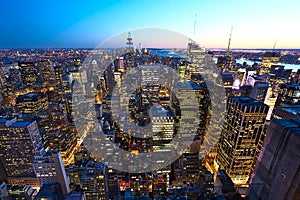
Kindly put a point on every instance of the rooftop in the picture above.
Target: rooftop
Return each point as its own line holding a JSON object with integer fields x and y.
{"x": 75, "y": 196}
{"x": 244, "y": 100}
{"x": 291, "y": 124}
{"x": 13, "y": 123}
{"x": 160, "y": 111}
{"x": 20, "y": 124}
{"x": 31, "y": 96}
{"x": 188, "y": 85}
{"x": 293, "y": 110}
{"x": 272, "y": 54}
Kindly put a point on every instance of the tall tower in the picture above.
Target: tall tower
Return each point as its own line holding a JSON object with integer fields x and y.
{"x": 241, "y": 138}
{"x": 270, "y": 58}
{"x": 129, "y": 41}
{"x": 195, "y": 24}
{"x": 229, "y": 41}
{"x": 227, "y": 62}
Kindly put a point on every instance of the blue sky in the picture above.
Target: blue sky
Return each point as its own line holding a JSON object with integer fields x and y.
{"x": 58, "y": 23}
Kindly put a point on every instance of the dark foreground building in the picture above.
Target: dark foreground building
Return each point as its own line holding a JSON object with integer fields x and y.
{"x": 277, "y": 173}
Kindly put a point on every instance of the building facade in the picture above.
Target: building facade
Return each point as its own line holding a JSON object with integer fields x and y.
{"x": 241, "y": 138}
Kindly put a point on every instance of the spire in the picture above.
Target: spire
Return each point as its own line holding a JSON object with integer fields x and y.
{"x": 274, "y": 47}
{"x": 129, "y": 41}
{"x": 228, "y": 48}
{"x": 195, "y": 24}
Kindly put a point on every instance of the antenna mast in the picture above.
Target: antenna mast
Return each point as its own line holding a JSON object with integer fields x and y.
{"x": 195, "y": 23}
{"x": 228, "y": 48}
{"x": 274, "y": 47}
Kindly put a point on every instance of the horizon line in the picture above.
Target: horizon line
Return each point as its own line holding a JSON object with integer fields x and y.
{"x": 91, "y": 48}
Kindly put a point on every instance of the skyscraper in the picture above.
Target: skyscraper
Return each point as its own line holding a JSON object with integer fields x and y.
{"x": 269, "y": 59}
{"x": 47, "y": 73}
{"x": 48, "y": 167}
{"x": 190, "y": 90}
{"x": 241, "y": 138}
{"x": 59, "y": 71}
{"x": 150, "y": 83}
{"x": 259, "y": 91}
{"x": 289, "y": 94}
{"x": 2, "y": 85}
{"x": 28, "y": 73}
{"x": 227, "y": 78}
{"x": 277, "y": 172}
{"x": 18, "y": 142}
{"x": 2, "y": 78}
{"x": 32, "y": 103}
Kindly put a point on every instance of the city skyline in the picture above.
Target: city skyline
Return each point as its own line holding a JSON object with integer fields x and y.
{"x": 85, "y": 25}
{"x": 121, "y": 124}
{"x": 149, "y": 100}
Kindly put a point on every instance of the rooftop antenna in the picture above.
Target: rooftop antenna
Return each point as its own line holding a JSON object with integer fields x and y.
{"x": 274, "y": 47}
{"x": 228, "y": 48}
{"x": 195, "y": 23}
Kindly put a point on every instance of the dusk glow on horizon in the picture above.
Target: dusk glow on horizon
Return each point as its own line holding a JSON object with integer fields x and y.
{"x": 85, "y": 24}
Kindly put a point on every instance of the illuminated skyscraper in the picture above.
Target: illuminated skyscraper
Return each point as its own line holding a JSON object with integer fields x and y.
{"x": 150, "y": 83}
{"x": 189, "y": 164}
{"x": 162, "y": 124}
{"x": 241, "y": 137}
{"x": 190, "y": 90}
{"x": 59, "y": 71}
{"x": 49, "y": 168}
{"x": 269, "y": 59}
{"x": 18, "y": 142}
{"x": 47, "y": 73}
{"x": 58, "y": 134}
{"x": 28, "y": 73}
{"x": 227, "y": 62}
{"x": 287, "y": 104}
{"x": 227, "y": 78}
{"x": 2, "y": 85}
{"x": 32, "y": 103}
{"x": 195, "y": 55}
{"x": 53, "y": 119}
{"x": 92, "y": 179}
{"x": 289, "y": 94}
{"x": 2, "y": 78}
{"x": 109, "y": 79}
